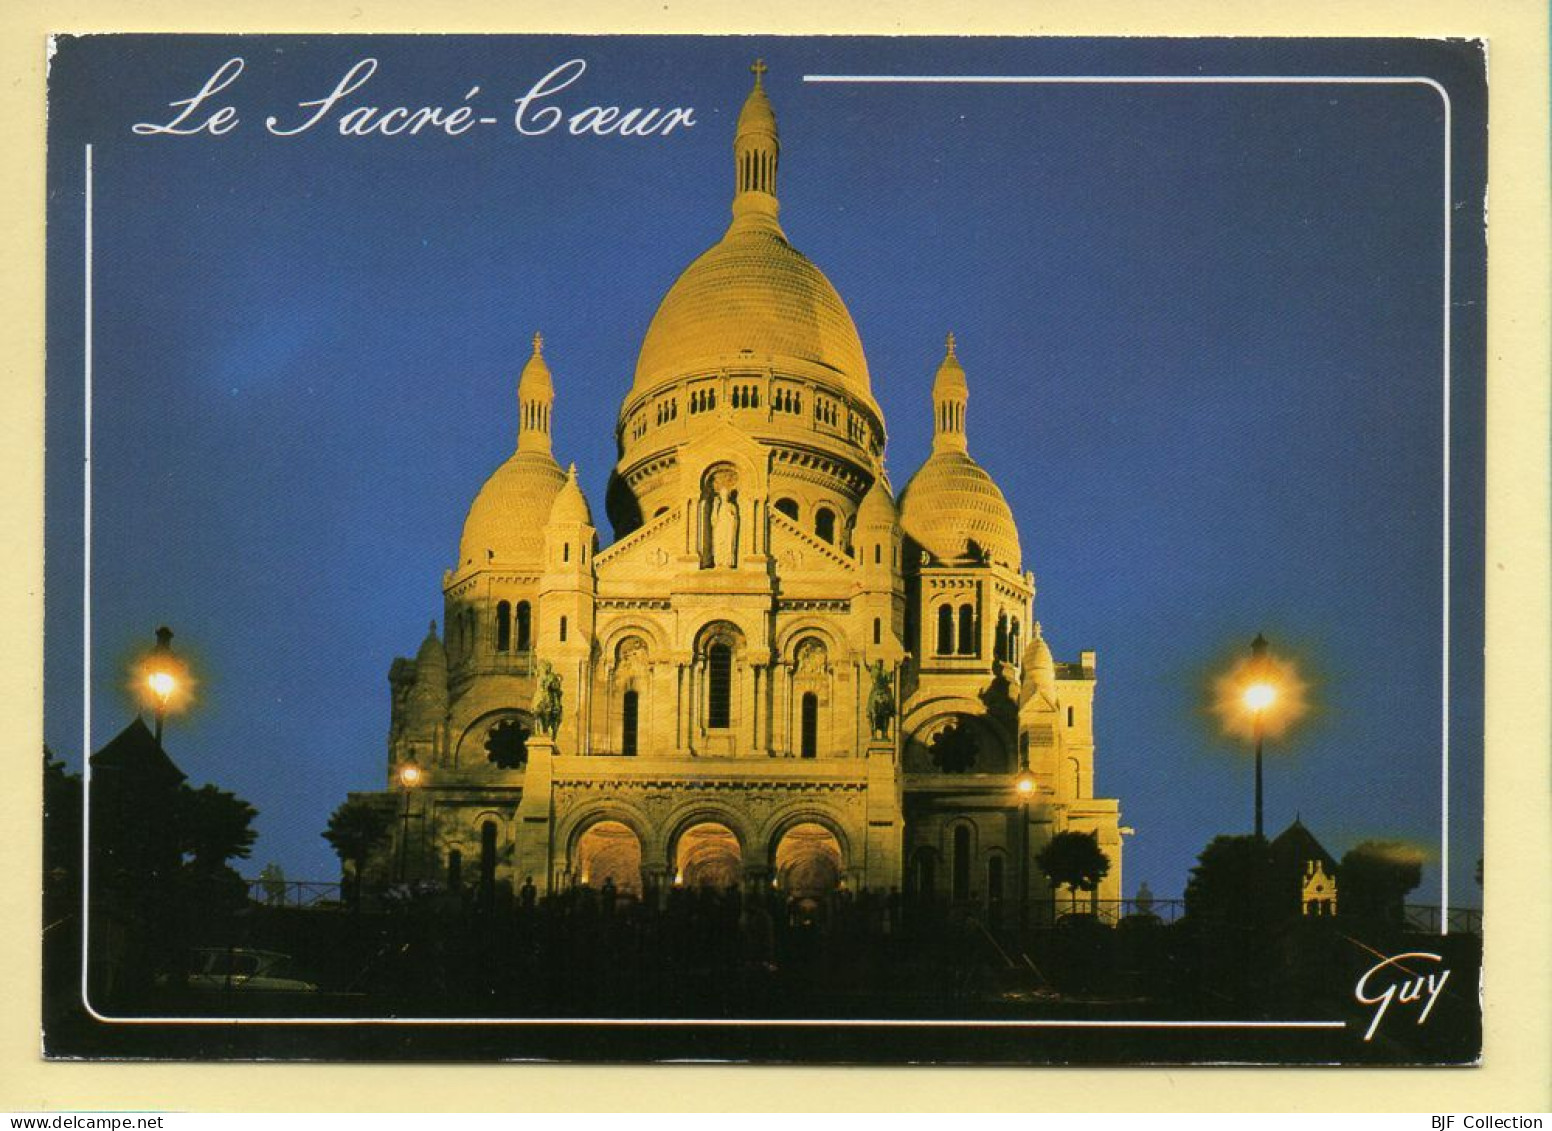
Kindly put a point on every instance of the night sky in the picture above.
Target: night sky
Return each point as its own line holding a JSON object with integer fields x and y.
{"x": 1202, "y": 327}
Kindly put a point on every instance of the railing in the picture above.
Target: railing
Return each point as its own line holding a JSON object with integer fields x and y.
{"x": 1109, "y": 912}
{"x": 1425, "y": 917}
{"x": 310, "y": 894}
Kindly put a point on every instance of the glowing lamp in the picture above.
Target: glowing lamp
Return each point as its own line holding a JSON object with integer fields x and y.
{"x": 162, "y": 685}
{"x": 409, "y": 775}
{"x": 1025, "y": 782}
{"x": 1260, "y": 696}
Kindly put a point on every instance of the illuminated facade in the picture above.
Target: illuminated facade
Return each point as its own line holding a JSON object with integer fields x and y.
{"x": 776, "y": 673}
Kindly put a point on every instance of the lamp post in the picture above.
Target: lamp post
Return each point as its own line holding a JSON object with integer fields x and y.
{"x": 409, "y": 777}
{"x": 1259, "y": 694}
{"x": 1024, "y": 784}
{"x": 161, "y": 676}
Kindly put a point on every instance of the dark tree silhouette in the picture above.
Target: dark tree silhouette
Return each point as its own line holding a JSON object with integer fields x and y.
{"x": 1075, "y": 861}
{"x": 1233, "y": 883}
{"x": 1374, "y": 878}
{"x": 355, "y": 829}
{"x": 214, "y": 826}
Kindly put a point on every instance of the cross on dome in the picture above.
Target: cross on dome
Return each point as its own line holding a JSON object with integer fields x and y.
{"x": 538, "y": 340}
{"x": 758, "y": 69}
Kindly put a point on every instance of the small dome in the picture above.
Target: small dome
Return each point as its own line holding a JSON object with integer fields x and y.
{"x": 956, "y": 513}
{"x": 757, "y": 116}
{"x": 431, "y": 650}
{"x": 1039, "y": 668}
{"x": 950, "y": 380}
{"x": 570, "y": 507}
{"x": 752, "y": 299}
{"x": 878, "y": 506}
{"x": 536, "y": 380}
{"x": 506, "y": 519}
{"x": 429, "y": 694}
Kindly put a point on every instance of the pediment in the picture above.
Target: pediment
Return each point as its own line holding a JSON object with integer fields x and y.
{"x": 795, "y": 550}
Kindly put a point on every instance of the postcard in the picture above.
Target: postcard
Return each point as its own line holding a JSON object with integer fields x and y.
{"x": 765, "y": 549}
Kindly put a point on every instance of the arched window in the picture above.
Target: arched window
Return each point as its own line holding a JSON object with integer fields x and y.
{"x": 629, "y": 712}
{"x": 878, "y": 630}
{"x": 925, "y": 875}
{"x": 824, "y": 524}
{"x": 563, "y": 630}
{"x": 1069, "y": 716}
{"x": 488, "y": 865}
{"x": 454, "y": 869}
{"x": 1014, "y": 651}
{"x": 524, "y": 626}
{"x": 878, "y": 553}
{"x": 1000, "y": 645}
{"x": 565, "y": 551}
{"x": 961, "y": 862}
{"x": 994, "y": 880}
{"x": 945, "y": 630}
{"x": 967, "y": 630}
{"x": 810, "y": 739}
{"x": 788, "y": 507}
{"x": 503, "y": 626}
{"x": 719, "y": 686}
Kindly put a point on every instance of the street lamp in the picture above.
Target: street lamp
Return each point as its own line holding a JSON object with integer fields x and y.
{"x": 1258, "y": 696}
{"x": 410, "y": 775}
{"x": 1024, "y": 784}
{"x": 162, "y": 674}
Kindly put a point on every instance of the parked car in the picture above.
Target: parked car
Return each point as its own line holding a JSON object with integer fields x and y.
{"x": 219, "y": 969}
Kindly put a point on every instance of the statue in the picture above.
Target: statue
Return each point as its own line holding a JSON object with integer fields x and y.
{"x": 547, "y": 699}
{"x": 724, "y": 528}
{"x": 881, "y": 700}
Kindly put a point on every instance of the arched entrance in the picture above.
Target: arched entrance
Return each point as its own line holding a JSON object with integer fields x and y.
{"x": 808, "y": 861}
{"x": 708, "y": 856}
{"x": 608, "y": 851}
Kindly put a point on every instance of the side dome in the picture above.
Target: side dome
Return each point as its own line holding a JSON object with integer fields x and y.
{"x": 955, "y": 512}
{"x": 505, "y": 524}
{"x": 951, "y": 508}
{"x": 506, "y": 519}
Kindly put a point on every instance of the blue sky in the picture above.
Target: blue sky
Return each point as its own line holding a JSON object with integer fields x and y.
{"x": 1202, "y": 327}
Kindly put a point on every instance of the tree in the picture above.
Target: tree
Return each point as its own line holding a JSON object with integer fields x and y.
{"x": 214, "y": 826}
{"x": 1233, "y": 884}
{"x": 1075, "y": 861}
{"x": 1373, "y": 879}
{"x": 355, "y": 829}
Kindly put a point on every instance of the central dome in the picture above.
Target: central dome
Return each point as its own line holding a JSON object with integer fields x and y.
{"x": 752, "y": 299}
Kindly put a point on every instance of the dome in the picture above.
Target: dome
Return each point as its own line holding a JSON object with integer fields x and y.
{"x": 570, "y": 506}
{"x": 752, "y": 299}
{"x": 506, "y": 519}
{"x": 1039, "y": 668}
{"x": 431, "y": 653}
{"x": 955, "y": 512}
{"x": 877, "y": 507}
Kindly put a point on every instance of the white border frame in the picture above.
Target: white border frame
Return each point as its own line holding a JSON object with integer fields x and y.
{"x": 1027, "y": 80}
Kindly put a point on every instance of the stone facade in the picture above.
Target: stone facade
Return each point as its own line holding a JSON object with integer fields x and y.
{"x": 774, "y": 673}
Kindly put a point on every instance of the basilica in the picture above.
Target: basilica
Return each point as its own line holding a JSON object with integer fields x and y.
{"x": 778, "y": 674}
